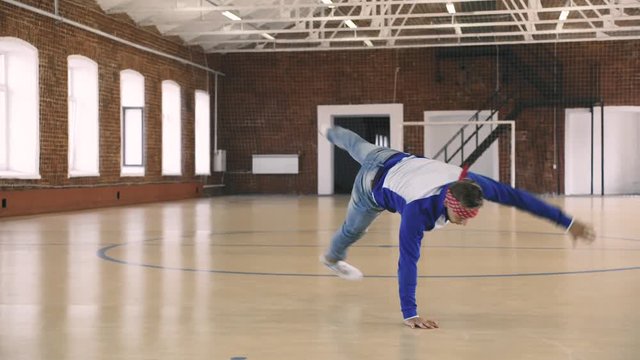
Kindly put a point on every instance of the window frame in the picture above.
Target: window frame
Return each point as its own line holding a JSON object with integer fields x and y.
{"x": 165, "y": 117}
{"x": 4, "y": 93}
{"x": 124, "y": 136}
{"x": 125, "y": 169}
{"x": 195, "y": 127}
{"x": 72, "y": 172}
{"x": 16, "y": 47}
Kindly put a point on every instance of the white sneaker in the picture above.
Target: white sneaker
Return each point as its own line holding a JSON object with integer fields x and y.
{"x": 342, "y": 269}
{"x": 323, "y": 130}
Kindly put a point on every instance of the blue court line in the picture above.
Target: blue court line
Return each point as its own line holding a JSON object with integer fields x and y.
{"x": 387, "y": 246}
{"x": 102, "y": 253}
{"x": 379, "y": 246}
{"x": 561, "y": 234}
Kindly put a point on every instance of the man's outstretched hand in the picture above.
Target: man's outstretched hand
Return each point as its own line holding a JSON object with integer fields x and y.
{"x": 582, "y": 231}
{"x": 420, "y": 323}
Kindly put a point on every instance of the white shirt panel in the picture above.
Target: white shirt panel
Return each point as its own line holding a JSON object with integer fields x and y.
{"x": 417, "y": 178}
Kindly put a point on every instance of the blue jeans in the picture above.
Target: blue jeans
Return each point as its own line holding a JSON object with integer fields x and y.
{"x": 363, "y": 208}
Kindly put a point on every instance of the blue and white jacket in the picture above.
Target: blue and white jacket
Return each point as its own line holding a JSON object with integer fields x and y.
{"x": 415, "y": 187}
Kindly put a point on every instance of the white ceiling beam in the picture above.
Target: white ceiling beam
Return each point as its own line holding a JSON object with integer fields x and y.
{"x": 607, "y": 19}
{"x": 230, "y": 31}
{"x": 522, "y": 23}
{"x": 533, "y": 6}
{"x": 317, "y": 33}
{"x": 394, "y": 27}
{"x": 444, "y": 36}
{"x": 598, "y": 33}
{"x": 367, "y": 9}
{"x": 413, "y": 46}
{"x": 307, "y": 22}
{"x": 271, "y": 6}
{"x": 404, "y": 21}
{"x": 561, "y": 22}
{"x": 532, "y": 15}
{"x": 140, "y": 9}
{"x": 379, "y": 19}
{"x": 419, "y": 16}
{"x": 313, "y": 23}
{"x": 335, "y": 31}
{"x": 323, "y": 24}
{"x": 600, "y": 14}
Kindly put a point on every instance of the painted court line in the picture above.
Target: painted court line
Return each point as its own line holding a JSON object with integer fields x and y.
{"x": 103, "y": 254}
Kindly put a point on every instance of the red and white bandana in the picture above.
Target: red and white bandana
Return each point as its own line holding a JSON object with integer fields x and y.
{"x": 454, "y": 204}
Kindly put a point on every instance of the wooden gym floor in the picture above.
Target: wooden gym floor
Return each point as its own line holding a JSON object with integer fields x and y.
{"x": 238, "y": 277}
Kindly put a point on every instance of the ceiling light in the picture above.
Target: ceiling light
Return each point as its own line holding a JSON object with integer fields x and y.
{"x": 267, "y": 36}
{"x": 328, "y": 2}
{"x": 350, "y": 24}
{"x": 231, "y": 15}
{"x": 368, "y": 43}
{"x": 450, "y": 8}
{"x": 564, "y": 14}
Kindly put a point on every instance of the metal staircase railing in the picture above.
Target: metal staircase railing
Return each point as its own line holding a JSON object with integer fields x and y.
{"x": 495, "y": 102}
{"x": 517, "y": 110}
{"x": 549, "y": 88}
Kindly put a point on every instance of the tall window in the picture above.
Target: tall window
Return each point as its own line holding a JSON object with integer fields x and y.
{"x": 203, "y": 136}
{"x": 83, "y": 117}
{"x": 171, "y": 129}
{"x": 19, "y": 110}
{"x": 4, "y": 92}
{"x": 132, "y": 103}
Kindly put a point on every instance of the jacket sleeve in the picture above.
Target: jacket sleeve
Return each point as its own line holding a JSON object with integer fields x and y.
{"x": 506, "y": 195}
{"x": 411, "y": 233}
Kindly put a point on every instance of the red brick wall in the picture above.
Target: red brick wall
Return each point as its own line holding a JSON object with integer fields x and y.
{"x": 36, "y": 201}
{"x": 268, "y": 101}
{"x": 55, "y": 41}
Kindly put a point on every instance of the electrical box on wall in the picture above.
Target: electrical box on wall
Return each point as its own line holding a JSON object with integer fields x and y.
{"x": 220, "y": 160}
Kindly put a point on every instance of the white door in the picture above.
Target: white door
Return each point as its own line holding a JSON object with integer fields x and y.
{"x": 621, "y": 149}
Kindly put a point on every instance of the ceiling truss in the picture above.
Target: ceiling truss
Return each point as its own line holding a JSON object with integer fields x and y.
{"x": 305, "y": 25}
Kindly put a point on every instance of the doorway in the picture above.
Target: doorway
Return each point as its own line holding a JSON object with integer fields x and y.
{"x": 375, "y": 130}
{"x": 326, "y": 116}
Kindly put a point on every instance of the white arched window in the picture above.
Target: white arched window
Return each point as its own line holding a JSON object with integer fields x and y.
{"x": 171, "y": 129}
{"x": 19, "y": 110}
{"x": 202, "y": 135}
{"x": 132, "y": 103}
{"x": 84, "y": 138}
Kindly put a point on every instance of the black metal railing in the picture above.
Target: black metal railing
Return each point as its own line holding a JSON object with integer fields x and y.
{"x": 544, "y": 74}
{"x": 494, "y": 102}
